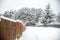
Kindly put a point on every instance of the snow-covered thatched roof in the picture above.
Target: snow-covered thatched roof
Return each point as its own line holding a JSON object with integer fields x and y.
{"x": 2, "y": 17}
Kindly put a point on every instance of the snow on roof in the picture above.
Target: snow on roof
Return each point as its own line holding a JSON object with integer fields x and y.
{"x": 19, "y": 21}
{"x": 10, "y": 19}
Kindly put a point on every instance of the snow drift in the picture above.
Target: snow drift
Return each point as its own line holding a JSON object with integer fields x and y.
{"x": 41, "y": 33}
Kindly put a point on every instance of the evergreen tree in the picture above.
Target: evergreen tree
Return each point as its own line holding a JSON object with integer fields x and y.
{"x": 48, "y": 17}
{"x": 8, "y": 14}
{"x": 58, "y": 17}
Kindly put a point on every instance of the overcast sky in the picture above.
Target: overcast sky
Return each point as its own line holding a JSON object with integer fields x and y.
{"x": 17, "y": 4}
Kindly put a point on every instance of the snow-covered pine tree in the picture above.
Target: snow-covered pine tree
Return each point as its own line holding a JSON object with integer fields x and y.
{"x": 58, "y": 17}
{"x": 8, "y": 14}
{"x": 48, "y": 16}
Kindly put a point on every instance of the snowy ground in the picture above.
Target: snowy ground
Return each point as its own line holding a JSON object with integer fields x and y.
{"x": 41, "y": 33}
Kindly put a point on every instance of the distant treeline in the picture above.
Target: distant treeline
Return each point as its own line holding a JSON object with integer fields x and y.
{"x": 31, "y": 16}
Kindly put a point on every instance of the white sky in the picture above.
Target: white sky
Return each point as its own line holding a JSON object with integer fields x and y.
{"x": 17, "y": 4}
